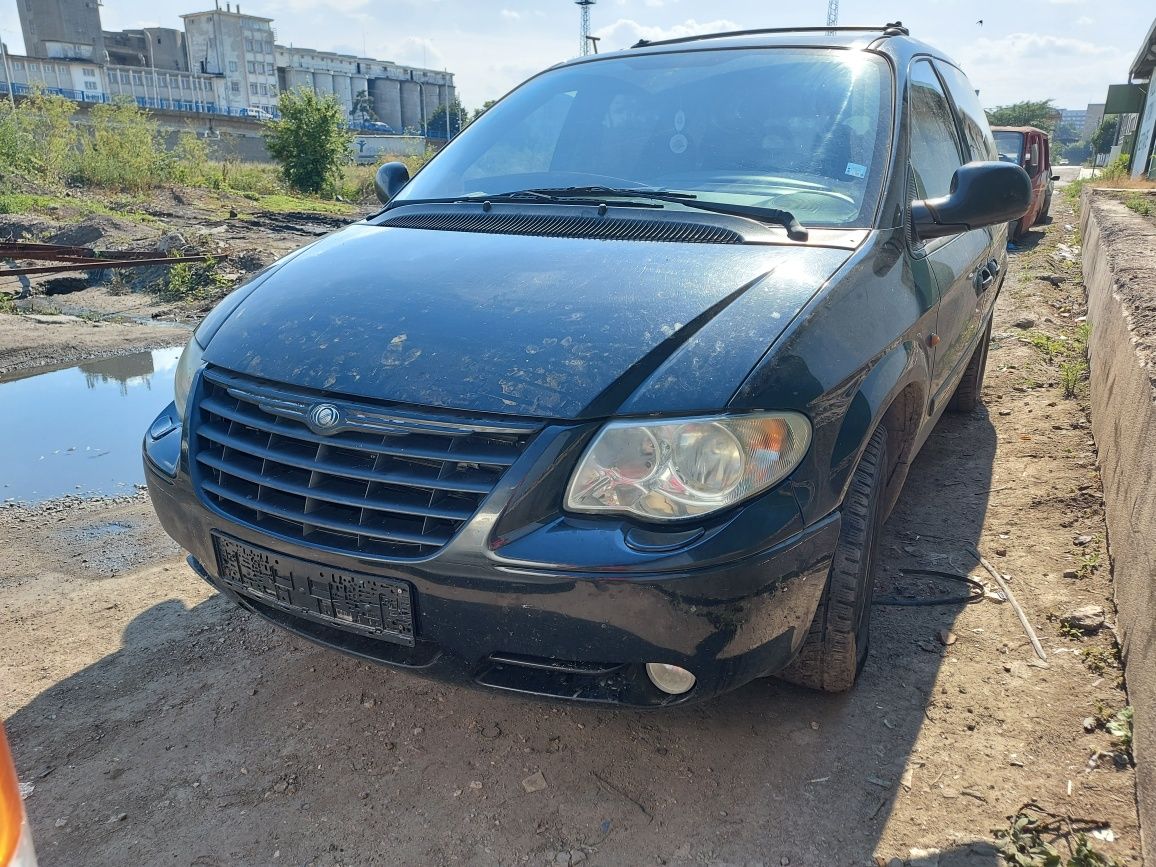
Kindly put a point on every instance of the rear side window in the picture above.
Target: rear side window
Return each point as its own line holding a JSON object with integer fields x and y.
{"x": 976, "y": 130}
{"x": 935, "y": 148}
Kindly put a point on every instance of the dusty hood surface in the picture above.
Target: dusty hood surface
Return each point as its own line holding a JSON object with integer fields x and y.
{"x": 549, "y": 327}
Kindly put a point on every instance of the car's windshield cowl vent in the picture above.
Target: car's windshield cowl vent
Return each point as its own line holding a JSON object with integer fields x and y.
{"x": 607, "y": 228}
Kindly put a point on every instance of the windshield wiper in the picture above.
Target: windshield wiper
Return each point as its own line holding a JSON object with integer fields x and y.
{"x": 795, "y": 229}
{"x": 596, "y": 195}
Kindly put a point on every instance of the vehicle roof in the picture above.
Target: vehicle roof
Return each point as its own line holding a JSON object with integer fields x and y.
{"x": 890, "y": 39}
{"x": 1019, "y": 129}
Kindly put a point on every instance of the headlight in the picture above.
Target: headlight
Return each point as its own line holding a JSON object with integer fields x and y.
{"x": 186, "y": 369}
{"x": 666, "y": 470}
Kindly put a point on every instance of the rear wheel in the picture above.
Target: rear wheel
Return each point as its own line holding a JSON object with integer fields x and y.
{"x": 968, "y": 394}
{"x": 835, "y": 648}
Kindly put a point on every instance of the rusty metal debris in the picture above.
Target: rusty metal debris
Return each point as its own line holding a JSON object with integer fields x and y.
{"x": 85, "y": 258}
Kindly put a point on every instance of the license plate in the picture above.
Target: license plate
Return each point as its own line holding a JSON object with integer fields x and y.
{"x": 369, "y": 605}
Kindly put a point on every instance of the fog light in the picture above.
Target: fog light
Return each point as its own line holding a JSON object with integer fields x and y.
{"x": 669, "y": 678}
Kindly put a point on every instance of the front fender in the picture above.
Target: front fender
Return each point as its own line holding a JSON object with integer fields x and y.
{"x": 858, "y": 347}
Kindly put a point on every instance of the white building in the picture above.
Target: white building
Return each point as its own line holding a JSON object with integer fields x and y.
{"x": 84, "y": 81}
{"x": 238, "y": 47}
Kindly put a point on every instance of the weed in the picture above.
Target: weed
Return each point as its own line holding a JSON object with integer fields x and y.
{"x": 1090, "y": 564}
{"x": 1120, "y": 728}
{"x": 189, "y": 281}
{"x": 1049, "y": 346}
{"x": 1072, "y": 373}
{"x": 1142, "y": 205}
{"x": 25, "y": 203}
{"x": 6, "y": 305}
{"x": 1085, "y": 856}
{"x": 1022, "y": 843}
{"x": 1099, "y": 659}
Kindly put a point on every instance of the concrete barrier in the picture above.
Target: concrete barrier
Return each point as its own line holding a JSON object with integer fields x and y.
{"x": 1120, "y": 275}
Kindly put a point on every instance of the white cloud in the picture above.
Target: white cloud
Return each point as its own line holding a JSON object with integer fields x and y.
{"x": 1022, "y": 66}
{"x": 511, "y": 15}
{"x": 1085, "y": 21}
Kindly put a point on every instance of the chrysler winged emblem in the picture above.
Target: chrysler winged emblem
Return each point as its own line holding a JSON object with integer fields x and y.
{"x": 324, "y": 417}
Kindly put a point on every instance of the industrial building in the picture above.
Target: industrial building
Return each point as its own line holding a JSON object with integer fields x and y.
{"x": 229, "y": 60}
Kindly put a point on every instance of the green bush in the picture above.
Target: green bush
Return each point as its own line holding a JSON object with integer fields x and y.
{"x": 310, "y": 142}
{"x": 123, "y": 151}
{"x": 1117, "y": 170}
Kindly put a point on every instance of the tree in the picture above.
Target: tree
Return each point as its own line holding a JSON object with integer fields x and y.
{"x": 311, "y": 141}
{"x": 1037, "y": 113}
{"x": 363, "y": 107}
{"x": 1105, "y": 135}
{"x": 436, "y": 124}
{"x": 478, "y": 112}
{"x": 1067, "y": 133}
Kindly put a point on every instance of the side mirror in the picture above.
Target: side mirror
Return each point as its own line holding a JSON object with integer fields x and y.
{"x": 389, "y": 180}
{"x": 982, "y": 194}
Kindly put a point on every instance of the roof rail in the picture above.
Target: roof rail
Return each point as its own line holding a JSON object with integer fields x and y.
{"x": 894, "y": 28}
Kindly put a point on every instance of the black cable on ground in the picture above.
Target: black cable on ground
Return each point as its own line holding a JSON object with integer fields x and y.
{"x": 975, "y": 592}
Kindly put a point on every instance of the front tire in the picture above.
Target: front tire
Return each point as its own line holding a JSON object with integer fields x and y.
{"x": 835, "y": 648}
{"x": 969, "y": 393}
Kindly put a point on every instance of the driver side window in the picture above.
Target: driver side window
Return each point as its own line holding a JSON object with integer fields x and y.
{"x": 936, "y": 151}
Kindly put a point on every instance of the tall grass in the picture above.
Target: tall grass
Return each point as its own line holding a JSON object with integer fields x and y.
{"x": 122, "y": 149}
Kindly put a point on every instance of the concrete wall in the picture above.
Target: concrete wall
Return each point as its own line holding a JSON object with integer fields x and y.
{"x": 1120, "y": 275}
{"x": 370, "y": 148}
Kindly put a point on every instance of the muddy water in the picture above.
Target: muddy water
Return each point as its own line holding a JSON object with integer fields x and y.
{"x": 78, "y": 431}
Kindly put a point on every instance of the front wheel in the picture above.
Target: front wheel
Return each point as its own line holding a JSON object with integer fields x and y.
{"x": 835, "y": 648}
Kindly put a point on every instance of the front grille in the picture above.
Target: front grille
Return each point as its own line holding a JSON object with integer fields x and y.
{"x": 390, "y": 482}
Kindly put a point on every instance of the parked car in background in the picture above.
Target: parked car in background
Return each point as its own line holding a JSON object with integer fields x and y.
{"x": 15, "y": 840}
{"x": 610, "y": 400}
{"x": 1029, "y": 148}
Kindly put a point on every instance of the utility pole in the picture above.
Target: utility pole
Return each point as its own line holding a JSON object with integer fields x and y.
{"x": 7, "y": 72}
{"x": 584, "y": 35}
{"x": 832, "y": 13}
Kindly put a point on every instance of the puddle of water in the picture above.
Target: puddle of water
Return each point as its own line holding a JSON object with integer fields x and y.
{"x": 78, "y": 431}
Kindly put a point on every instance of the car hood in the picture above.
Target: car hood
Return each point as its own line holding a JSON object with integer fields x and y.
{"x": 548, "y": 327}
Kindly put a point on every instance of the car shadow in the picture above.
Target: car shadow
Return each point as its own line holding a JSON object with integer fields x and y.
{"x": 210, "y": 738}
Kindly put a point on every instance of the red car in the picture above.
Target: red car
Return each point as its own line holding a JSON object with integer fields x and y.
{"x": 1030, "y": 149}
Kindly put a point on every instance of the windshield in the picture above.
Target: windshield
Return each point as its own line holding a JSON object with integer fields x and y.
{"x": 800, "y": 130}
{"x": 1010, "y": 146}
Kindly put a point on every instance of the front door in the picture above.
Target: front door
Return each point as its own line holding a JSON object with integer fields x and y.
{"x": 961, "y": 265}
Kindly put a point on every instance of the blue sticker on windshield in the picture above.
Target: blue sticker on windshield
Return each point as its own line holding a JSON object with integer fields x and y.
{"x": 856, "y": 171}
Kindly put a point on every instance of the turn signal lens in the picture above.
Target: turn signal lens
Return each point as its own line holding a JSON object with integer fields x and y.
{"x": 668, "y": 470}
{"x": 186, "y": 370}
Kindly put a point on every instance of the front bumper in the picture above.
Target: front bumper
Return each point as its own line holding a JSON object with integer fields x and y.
{"x": 567, "y": 628}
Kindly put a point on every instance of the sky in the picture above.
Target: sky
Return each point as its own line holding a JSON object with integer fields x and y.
{"x": 1064, "y": 50}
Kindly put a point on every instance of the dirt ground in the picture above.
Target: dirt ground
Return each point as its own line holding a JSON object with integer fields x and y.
{"x": 156, "y": 724}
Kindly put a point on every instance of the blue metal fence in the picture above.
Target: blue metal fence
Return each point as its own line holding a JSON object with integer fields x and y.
{"x": 188, "y": 105}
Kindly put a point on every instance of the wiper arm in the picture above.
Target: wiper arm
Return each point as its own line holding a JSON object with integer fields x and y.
{"x": 615, "y": 193}
{"x": 795, "y": 230}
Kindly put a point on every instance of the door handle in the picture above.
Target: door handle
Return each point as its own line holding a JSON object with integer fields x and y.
{"x": 983, "y": 279}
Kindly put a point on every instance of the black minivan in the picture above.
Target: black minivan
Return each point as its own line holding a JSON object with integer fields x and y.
{"x": 609, "y": 401}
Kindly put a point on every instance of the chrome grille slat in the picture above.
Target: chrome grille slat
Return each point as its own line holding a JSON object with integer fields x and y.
{"x": 381, "y": 504}
{"x": 320, "y": 520}
{"x": 371, "y": 444}
{"x": 412, "y": 481}
{"x": 396, "y": 493}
